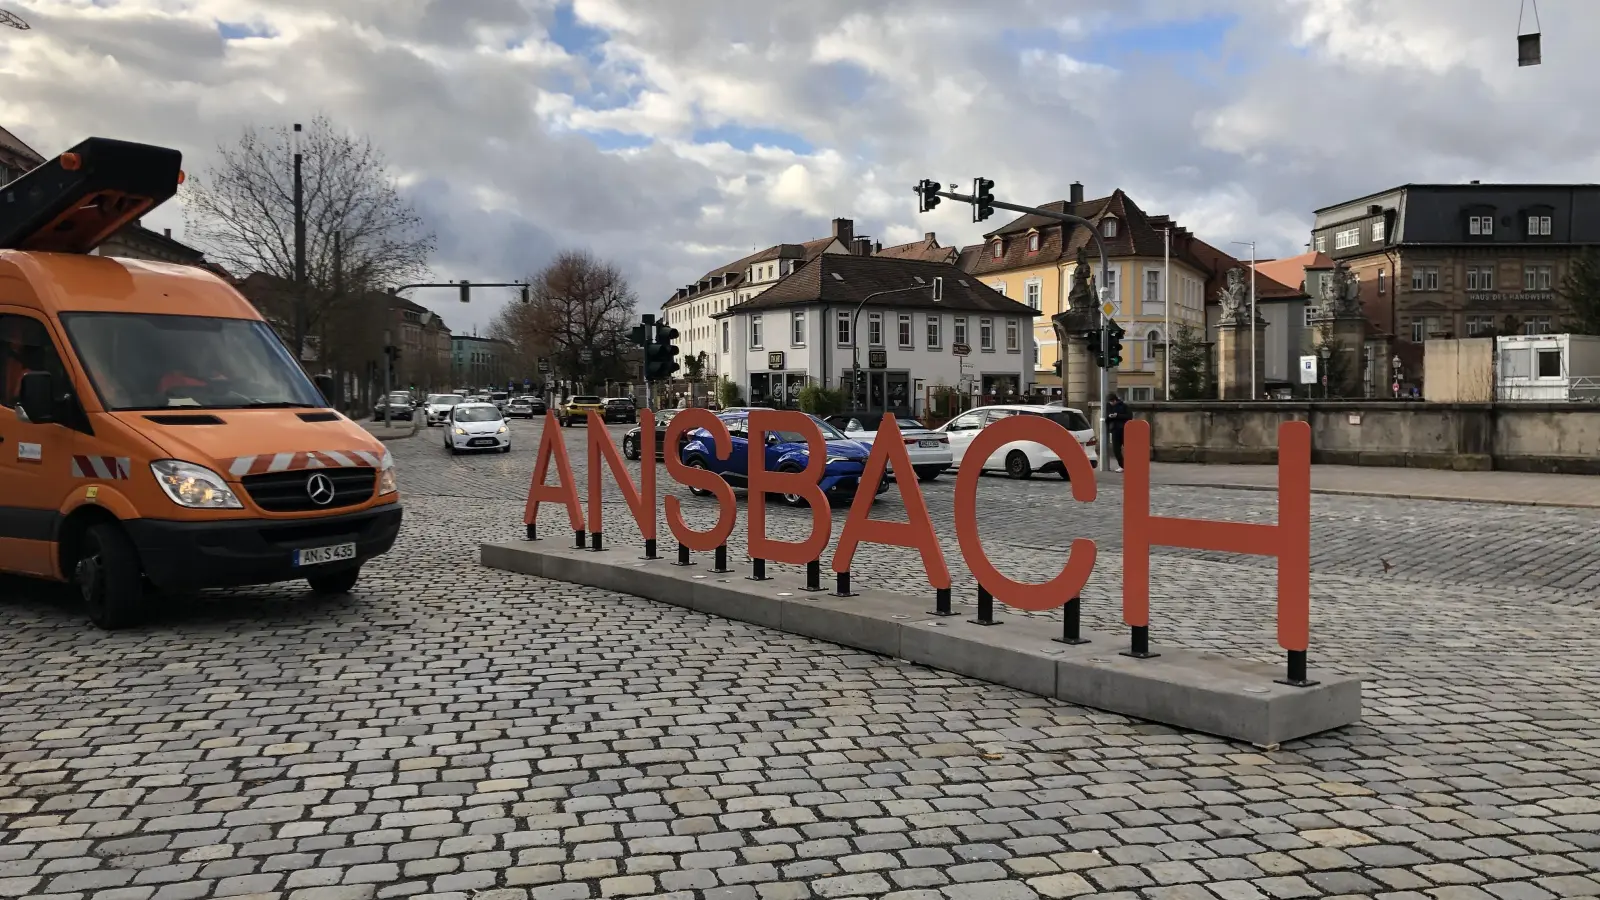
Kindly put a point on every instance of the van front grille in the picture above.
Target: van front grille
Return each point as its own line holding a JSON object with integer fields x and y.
{"x": 290, "y": 491}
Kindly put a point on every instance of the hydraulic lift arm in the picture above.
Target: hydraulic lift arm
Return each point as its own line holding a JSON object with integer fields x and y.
{"x": 72, "y": 203}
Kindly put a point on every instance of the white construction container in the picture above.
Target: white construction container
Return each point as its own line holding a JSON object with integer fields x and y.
{"x": 1547, "y": 368}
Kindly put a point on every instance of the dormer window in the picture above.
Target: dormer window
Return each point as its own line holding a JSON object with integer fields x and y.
{"x": 1033, "y": 242}
{"x": 996, "y": 249}
{"x": 1480, "y": 225}
{"x": 1539, "y": 220}
{"x": 1108, "y": 227}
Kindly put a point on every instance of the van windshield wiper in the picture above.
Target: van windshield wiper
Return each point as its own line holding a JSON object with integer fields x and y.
{"x": 277, "y": 404}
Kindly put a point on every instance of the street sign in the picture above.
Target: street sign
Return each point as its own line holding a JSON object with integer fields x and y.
{"x": 1308, "y": 370}
{"x": 960, "y": 349}
{"x": 527, "y": 383}
{"x": 1110, "y": 309}
{"x": 775, "y": 359}
{"x": 544, "y": 364}
{"x": 877, "y": 359}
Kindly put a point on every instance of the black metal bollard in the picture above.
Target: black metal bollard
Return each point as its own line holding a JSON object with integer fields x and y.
{"x": 941, "y": 602}
{"x": 985, "y": 608}
{"x": 814, "y": 576}
{"x": 533, "y": 531}
{"x": 650, "y": 548}
{"x": 1071, "y": 613}
{"x": 758, "y": 570}
{"x": 721, "y": 559}
{"x": 580, "y": 535}
{"x": 1141, "y": 644}
{"x": 842, "y": 584}
{"x": 683, "y": 556}
{"x": 1297, "y": 671}
{"x": 595, "y": 541}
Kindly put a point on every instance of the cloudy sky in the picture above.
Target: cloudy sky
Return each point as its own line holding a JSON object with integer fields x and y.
{"x": 675, "y": 135}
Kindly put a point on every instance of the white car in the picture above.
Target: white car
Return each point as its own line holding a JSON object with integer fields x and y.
{"x": 1019, "y": 459}
{"x": 438, "y": 407}
{"x": 477, "y": 426}
{"x": 929, "y": 450}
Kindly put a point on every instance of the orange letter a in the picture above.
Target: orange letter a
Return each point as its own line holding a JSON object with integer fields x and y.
{"x": 564, "y": 491}
{"x": 916, "y": 532}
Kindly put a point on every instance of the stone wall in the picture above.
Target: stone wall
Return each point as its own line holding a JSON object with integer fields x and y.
{"x": 1524, "y": 437}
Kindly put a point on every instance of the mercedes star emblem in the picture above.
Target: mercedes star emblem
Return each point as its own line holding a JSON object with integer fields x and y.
{"x": 319, "y": 488}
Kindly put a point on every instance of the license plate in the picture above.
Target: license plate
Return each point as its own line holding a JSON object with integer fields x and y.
{"x": 482, "y": 442}
{"x": 316, "y": 556}
{"x": 928, "y": 445}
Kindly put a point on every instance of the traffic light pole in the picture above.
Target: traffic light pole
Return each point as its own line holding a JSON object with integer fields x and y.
{"x": 1105, "y": 281}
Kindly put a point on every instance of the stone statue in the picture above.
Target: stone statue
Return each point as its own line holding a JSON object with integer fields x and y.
{"x": 1082, "y": 294}
{"x": 1234, "y": 299}
{"x": 1340, "y": 293}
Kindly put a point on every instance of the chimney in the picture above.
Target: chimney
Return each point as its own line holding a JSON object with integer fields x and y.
{"x": 166, "y": 232}
{"x": 1077, "y": 192}
{"x": 1473, "y": 181}
{"x": 844, "y": 230}
{"x": 931, "y": 239}
{"x": 877, "y": 248}
{"x": 862, "y": 246}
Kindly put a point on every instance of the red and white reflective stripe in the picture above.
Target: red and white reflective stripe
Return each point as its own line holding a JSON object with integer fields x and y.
{"x": 268, "y": 463}
{"x": 108, "y": 468}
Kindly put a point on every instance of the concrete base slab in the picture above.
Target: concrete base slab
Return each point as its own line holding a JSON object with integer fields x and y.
{"x": 1185, "y": 689}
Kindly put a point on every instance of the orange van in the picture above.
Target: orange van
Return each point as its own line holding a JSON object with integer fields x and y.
{"x": 155, "y": 433}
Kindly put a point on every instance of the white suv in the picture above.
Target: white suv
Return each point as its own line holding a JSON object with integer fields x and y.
{"x": 1019, "y": 459}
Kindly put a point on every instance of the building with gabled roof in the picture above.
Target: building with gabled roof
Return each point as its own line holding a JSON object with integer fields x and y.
{"x": 927, "y": 250}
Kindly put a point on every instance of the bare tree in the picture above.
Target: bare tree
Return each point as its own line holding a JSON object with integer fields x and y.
{"x": 242, "y": 213}
{"x": 578, "y": 302}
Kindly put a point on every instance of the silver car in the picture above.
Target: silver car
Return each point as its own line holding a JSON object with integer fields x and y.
{"x": 438, "y": 407}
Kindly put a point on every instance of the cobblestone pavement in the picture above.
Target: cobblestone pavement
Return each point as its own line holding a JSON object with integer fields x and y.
{"x": 451, "y": 731}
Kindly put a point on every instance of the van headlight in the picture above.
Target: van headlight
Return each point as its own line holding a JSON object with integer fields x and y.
{"x": 386, "y": 479}
{"x": 192, "y": 486}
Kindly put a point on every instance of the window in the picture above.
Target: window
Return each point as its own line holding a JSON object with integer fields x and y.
{"x": 1139, "y": 394}
{"x": 1322, "y": 243}
{"x": 1483, "y": 225}
{"x": 1111, "y": 283}
{"x": 1308, "y": 314}
{"x": 1538, "y": 226}
{"x": 1013, "y": 337}
{"x": 755, "y": 332}
{"x": 961, "y": 330}
{"x": 1549, "y": 363}
{"x": 1425, "y": 278}
{"x": 1348, "y": 237}
{"x": 1036, "y": 354}
{"x": 1477, "y": 325}
{"x": 25, "y": 346}
{"x": 1418, "y": 331}
{"x": 1033, "y": 242}
{"x": 1152, "y": 287}
{"x": 933, "y": 332}
{"x": 1382, "y": 281}
{"x": 874, "y": 329}
{"x": 843, "y": 329}
{"x": 1031, "y": 291}
{"x": 797, "y": 329}
{"x": 1151, "y": 342}
{"x": 986, "y": 334}
{"x": 1108, "y": 227}
{"x": 725, "y": 337}
{"x": 1377, "y": 231}
{"x": 1536, "y": 325}
{"x": 1536, "y": 278}
{"x": 905, "y": 331}
{"x": 1000, "y": 287}
{"x": 996, "y": 249}
{"x": 1480, "y": 278}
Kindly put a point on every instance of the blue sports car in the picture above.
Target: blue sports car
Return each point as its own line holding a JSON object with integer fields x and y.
{"x": 786, "y": 451}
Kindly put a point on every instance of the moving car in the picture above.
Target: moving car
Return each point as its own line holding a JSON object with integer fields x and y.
{"x": 633, "y": 441}
{"x": 578, "y": 407}
{"x": 929, "y": 450}
{"x": 477, "y": 426}
{"x": 620, "y": 409}
{"x": 1019, "y": 459}
{"x": 399, "y": 402}
{"x": 156, "y": 433}
{"x": 784, "y": 452}
{"x": 520, "y": 407}
{"x": 500, "y": 399}
{"x": 438, "y": 406}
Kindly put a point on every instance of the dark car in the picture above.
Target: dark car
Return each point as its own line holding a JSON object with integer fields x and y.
{"x": 633, "y": 441}
{"x": 785, "y": 451}
{"x": 538, "y": 406}
{"x": 401, "y": 403}
{"x": 620, "y": 409}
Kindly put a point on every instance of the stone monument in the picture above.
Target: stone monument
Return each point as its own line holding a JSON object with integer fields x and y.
{"x": 1235, "y": 327}
{"x": 1082, "y": 389}
{"x": 1339, "y": 328}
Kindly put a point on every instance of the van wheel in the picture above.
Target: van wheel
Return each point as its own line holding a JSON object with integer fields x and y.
{"x": 1017, "y": 465}
{"x": 109, "y": 577}
{"x": 335, "y": 583}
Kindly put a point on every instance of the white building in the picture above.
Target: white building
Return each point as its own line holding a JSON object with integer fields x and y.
{"x": 804, "y": 328}
{"x": 690, "y": 309}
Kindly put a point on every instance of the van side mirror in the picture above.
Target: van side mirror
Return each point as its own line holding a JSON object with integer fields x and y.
{"x": 36, "y": 397}
{"x": 325, "y": 386}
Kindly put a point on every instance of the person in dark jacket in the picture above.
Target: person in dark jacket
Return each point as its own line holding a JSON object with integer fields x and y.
{"x": 1117, "y": 416}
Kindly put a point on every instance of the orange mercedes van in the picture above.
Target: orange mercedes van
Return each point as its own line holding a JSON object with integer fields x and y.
{"x": 155, "y": 433}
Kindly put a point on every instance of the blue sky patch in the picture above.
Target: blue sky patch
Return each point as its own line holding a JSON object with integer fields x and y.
{"x": 575, "y": 37}
{"x": 234, "y": 31}
{"x": 746, "y": 139}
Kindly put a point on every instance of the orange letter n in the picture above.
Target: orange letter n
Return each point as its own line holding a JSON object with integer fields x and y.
{"x": 564, "y": 491}
{"x": 1289, "y": 540}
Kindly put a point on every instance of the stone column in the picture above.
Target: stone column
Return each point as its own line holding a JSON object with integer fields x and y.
{"x": 1347, "y": 335}
{"x": 1160, "y": 392}
{"x": 1233, "y": 360}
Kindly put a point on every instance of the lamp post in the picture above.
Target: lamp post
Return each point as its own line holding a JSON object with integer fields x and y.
{"x": 1325, "y": 352}
{"x": 1252, "y": 246}
{"x": 1397, "y": 366}
{"x": 855, "y": 358}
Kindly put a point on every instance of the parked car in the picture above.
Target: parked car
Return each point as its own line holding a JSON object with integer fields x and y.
{"x": 620, "y": 409}
{"x": 438, "y": 406}
{"x": 929, "y": 450}
{"x": 399, "y": 402}
{"x": 785, "y": 452}
{"x": 578, "y": 407}
{"x": 1019, "y": 459}
{"x": 477, "y": 426}
{"x": 538, "y": 404}
{"x": 520, "y": 407}
{"x": 633, "y": 441}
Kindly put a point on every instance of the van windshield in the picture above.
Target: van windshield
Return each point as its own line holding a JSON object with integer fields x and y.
{"x": 145, "y": 361}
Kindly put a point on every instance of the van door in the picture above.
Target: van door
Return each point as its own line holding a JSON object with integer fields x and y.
{"x": 35, "y": 460}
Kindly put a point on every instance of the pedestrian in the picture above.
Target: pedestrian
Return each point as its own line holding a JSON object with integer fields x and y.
{"x": 1117, "y": 416}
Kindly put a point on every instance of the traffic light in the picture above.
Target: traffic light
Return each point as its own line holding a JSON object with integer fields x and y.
{"x": 983, "y": 189}
{"x": 527, "y": 294}
{"x": 1113, "y": 352}
{"x": 466, "y": 291}
{"x": 927, "y": 194}
{"x": 1056, "y": 367}
{"x": 1091, "y": 339}
{"x": 660, "y": 357}
{"x": 641, "y": 334}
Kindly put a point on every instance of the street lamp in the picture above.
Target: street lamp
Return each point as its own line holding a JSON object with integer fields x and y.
{"x": 1326, "y": 352}
{"x": 1252, "y": 246}
{"x": 1397, "y": 366}
{"x": 855, "y": 358}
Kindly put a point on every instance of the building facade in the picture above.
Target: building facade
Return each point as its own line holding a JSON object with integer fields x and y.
{"x": 942, "y": 328}
{"x": 1460, "y": 260}
{"x": 479, "y": 362}
{"x": 1031, "y": 260}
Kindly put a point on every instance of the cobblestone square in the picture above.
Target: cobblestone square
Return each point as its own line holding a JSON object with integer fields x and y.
{"x": 455, "y": 732}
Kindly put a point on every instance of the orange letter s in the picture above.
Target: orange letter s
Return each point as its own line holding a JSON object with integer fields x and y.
{"x": 693, "y": 477}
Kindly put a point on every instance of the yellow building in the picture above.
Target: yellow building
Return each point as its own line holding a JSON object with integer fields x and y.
{"x": 1031, "y": 259}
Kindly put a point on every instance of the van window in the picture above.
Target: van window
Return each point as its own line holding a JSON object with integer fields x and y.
{"x": 144, "y": 361}
{"x": 25, "y": 346}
